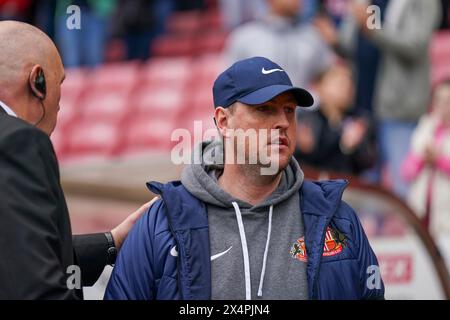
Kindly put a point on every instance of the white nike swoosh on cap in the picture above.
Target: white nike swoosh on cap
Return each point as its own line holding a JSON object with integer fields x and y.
{"x": 264, "y": 71}
{"x": 174, "y": 252}
{"x": 214, "y": 257}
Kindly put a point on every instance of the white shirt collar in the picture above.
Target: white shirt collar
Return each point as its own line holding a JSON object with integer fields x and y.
{"x": 8, "y": 109}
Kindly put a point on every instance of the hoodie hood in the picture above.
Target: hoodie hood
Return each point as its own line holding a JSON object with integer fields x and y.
{"x": 200, "y": 179}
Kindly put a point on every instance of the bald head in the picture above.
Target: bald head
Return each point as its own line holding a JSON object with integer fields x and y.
{"x": 25, "y": 52}
{"x": 22, "y": 47}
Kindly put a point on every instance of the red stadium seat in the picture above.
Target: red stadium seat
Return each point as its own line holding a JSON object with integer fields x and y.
{"x": 166, "y": 71}
{"x": 116, "y": 50}
{"x": 115, "y": 76}
{"x": 76, "y": 81}
{"x": 59, "y": 143}
{"x": 164, "y": 103}
{"x": 207, "y": 68}
{"x": 212, "y": 20}
{"x": 200, "y": 126}
{"x": 69, "y": 111}
{"x": 94, "y": 138}
{"x": 212, "y": 4}
{"x": 198, "y": 111}
{"x": 148, "y": 134}
{"x": 201, "y": 100}
{"x": 125, "y": 108}
{"x": 210, "y": 41}
{"x": 106, "y": 105}
{"x": 173, "y": 45}
{"x": 184, "y": 23}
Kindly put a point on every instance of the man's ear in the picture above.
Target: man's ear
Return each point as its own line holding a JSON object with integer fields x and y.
{"x": 34, "y": 74}
{"x": 221, "y": 119}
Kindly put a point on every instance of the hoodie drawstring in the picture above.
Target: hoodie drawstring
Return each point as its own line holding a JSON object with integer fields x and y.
{"x": 248, "y": 287}
{"x": 266, "y": 250}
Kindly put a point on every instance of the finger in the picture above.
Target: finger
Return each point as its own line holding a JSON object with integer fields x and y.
{"x": 144, "y": 207}
{"x": 149, "y": 204}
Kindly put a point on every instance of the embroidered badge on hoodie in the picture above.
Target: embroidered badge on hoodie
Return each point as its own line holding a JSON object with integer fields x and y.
{"x": 335, "y": 242}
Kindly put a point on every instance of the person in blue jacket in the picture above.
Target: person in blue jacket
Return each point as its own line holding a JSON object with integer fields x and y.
{"x": 239, "y": 228}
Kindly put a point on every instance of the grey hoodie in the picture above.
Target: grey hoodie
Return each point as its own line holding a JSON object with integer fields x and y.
{"x": 252, "y": 258}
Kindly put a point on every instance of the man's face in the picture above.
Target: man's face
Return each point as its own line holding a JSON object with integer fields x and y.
{"x": 275, "y": 116}
{"x": 54, "y": 77}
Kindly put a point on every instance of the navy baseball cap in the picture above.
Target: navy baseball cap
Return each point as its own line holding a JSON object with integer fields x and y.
{"x": 253, "y": 81}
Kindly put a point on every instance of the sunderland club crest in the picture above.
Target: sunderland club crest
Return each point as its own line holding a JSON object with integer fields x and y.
{"x": 333, "y": 245}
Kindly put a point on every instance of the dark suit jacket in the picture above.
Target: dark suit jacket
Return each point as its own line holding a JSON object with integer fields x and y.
{"x": 36, "y": 245}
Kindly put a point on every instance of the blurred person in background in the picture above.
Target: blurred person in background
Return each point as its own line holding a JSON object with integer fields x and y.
{"x": 280, "y": 36}
{"x": 44, "y": 16}
{"x": 335, "y": 9}
{"x": 427, "y": 166}
{"x": 38, "y": 254}
{"x": 138, "y": 22}
{"x": 334, "y": 137}
{"x": 309, "y": 10}
{"x": 402, "y": 84}
{"x": 19, "y": 10}
{"x": 85, "y": 46}
{"x": 237, "y": 12}
{"x": 162, "y": 10}
{"x": 354, "y": 45}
